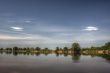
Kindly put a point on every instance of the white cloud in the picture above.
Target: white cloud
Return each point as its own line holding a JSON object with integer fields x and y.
{"x": 16, "y": 28}
{"x": 91, "y": 28}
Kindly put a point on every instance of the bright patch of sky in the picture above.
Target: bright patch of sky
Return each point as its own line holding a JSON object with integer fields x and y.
{"x": 16, "y": 28}
{"x": 91, "y": 28}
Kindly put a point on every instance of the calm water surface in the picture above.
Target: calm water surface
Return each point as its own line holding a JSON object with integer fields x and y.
{"x": 53, "y": 64}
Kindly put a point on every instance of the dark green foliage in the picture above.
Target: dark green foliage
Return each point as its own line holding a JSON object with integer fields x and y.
{"x": 76, "y": 47}
{"x": 107, "y": 45}
{"x": 65, "y": 49}
{"x": 57, "y": 49}
{"x": 38, "y": 49}
{"x": 15, "y": 48}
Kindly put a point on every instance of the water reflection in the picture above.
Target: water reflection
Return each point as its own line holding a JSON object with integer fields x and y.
{"x": 105, "y": 56}
{"x": 74, "y": 56}
{"x": 53, "y": 62}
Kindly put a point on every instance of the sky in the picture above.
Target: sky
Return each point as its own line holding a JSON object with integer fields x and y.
{"x": 54, "y": 22}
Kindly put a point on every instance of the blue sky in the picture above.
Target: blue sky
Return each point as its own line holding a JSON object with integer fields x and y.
{"x": 55, "y": 22}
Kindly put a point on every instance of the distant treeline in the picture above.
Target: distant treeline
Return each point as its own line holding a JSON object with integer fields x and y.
{"x": 106, "y": 46}
{"x": 74, "y": 49}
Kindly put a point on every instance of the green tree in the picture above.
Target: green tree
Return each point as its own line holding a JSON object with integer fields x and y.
{"x": 15, "y": 48}
{"x": 107, "y": 45}
{"x": 65, "y": 48}
{"x": 38, "y": 48}
{"x": 57, "y": 49}
{"x": 75, "y": 47}
{"x": 46, "y": 49}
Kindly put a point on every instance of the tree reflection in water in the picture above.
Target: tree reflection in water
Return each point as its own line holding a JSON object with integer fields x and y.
{"x": 74, "y": 56}
{"x": 105, "y": 56}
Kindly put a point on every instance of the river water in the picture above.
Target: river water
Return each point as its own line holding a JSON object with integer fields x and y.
{"x": 53, "y": 63}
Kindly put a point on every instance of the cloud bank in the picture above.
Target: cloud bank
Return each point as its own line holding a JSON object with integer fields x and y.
{"x": 16, "y": 28}
{"x": 91, "y": 28}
